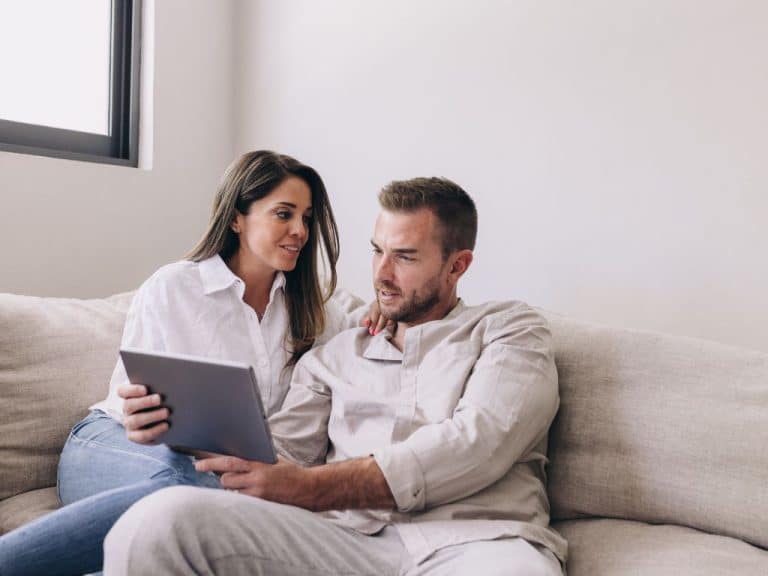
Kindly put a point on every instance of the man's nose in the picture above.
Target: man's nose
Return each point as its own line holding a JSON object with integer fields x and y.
{"x": 382, "y": 270}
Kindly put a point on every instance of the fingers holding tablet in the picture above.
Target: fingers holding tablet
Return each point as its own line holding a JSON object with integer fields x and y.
{"x": 145, "y": 417}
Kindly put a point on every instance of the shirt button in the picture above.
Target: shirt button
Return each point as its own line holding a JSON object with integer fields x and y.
{"x": 262, "y": 363}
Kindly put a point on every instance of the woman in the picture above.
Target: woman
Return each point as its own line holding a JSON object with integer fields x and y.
{"x": 249, "y": 291}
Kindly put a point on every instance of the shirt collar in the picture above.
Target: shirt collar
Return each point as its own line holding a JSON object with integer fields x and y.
{"x": 216, "y": 276}
{"x": 380, "y": 346}
{"x": 277, "y": 284}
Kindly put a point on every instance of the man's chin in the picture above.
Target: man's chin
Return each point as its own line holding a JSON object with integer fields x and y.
{"x": 391, "y": 312}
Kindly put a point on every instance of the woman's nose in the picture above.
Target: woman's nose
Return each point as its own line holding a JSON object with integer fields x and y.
{"x": 299, "y": 228}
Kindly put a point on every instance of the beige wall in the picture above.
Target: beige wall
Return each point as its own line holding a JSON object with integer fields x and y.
{"x": 72, "y": 228}
{"x": 617, "y": 150}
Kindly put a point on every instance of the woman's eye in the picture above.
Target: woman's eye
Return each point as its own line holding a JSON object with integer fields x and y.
{"x": 283, "y": 215}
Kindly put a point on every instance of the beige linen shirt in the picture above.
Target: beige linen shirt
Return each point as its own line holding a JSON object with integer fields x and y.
{"x": 457, "y": 422}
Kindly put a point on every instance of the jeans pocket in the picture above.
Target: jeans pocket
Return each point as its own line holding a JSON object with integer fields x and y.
{"x": 92, "y": 416}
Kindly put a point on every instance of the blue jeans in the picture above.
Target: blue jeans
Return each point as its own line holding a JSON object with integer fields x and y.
{"x": 101, "y": 474}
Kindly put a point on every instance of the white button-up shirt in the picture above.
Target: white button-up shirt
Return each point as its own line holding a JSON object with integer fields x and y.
{"x": 457, "y": 422}
{"x": 197, "y": 308}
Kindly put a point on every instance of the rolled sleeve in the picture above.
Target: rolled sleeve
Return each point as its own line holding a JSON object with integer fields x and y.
{"x": 403, "y": 473}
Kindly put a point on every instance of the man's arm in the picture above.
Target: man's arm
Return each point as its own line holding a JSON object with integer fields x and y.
{"x": 353, "y": 484}
{"x": 506, "y": 408}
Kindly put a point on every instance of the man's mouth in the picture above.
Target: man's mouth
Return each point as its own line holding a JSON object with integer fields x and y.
{"x": 387, "y": 295}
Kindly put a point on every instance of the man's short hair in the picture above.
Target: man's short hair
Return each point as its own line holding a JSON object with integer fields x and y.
{"x": 454, "y": 209}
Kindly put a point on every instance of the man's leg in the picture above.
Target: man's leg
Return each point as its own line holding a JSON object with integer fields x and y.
{"x": 505, "y": 557}
{"x": 184, "y": 530}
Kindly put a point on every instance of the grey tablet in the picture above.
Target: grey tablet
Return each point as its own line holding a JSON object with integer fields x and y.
{"x": 215, "y": 405}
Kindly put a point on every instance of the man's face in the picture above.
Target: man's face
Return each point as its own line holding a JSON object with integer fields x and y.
{"x": 409, "y": 274}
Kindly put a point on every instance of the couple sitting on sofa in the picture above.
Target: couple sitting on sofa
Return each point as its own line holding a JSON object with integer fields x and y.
{"x": 419, "y": 449}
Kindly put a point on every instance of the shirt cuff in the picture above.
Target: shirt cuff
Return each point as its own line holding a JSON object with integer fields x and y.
{"x": 404, "y": 475}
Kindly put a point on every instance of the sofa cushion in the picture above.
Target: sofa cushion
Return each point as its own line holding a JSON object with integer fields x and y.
{"x": 624, "y": 548}
{"x": 23, "y": 508}
{"x": 661, "y": 429}
{"x": 56, "y": 358}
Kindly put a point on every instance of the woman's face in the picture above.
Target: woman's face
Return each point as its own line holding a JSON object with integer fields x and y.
{"x": 276, "y": 227}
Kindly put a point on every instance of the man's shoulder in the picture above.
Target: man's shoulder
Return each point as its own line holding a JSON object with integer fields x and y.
{"x": 503, "y": 312}
{"x": 501, "y": 321}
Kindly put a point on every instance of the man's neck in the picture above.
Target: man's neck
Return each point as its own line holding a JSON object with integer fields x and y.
{"x": 440, "y": 311}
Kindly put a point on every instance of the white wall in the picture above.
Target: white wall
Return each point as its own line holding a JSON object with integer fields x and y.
{"x": 617, "y": 151}
{"x": 72, "y": 228}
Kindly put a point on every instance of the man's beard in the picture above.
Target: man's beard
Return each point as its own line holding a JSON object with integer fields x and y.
{"x": 416, "y": 307}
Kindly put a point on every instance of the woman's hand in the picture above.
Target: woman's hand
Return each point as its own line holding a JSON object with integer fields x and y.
{"x": 145, "y": 416}
{"x": 375, "y": 321}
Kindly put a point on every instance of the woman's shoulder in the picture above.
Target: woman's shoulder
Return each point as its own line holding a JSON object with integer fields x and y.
{"x": 171, "y": 277}
{"x": 343, "y": 310}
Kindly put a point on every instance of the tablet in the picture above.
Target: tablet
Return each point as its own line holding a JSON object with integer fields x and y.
{"x": 215, "y": 405}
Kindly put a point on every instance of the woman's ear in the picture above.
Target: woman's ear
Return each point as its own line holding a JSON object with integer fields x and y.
{"x": 236, "y": 224}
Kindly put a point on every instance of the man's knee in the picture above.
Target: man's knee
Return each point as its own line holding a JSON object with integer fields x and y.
{"x": 151, "y": 528}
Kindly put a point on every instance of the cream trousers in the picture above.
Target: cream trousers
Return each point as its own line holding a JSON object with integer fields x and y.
{"x": 186, "y": 530}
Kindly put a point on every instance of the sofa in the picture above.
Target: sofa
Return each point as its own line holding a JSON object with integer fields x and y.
{"x": 658, "y": 455}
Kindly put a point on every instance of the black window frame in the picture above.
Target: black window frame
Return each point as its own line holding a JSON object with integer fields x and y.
{"x": 121, "y": 145}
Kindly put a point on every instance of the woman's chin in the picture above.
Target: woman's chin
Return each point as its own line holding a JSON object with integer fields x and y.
{"x": 287, "y": 266}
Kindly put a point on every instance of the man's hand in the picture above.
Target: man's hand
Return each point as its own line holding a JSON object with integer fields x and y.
{"x": 145, "y": 416}
{"x": 282, "y": 482}
{"x": 353, "y": 484}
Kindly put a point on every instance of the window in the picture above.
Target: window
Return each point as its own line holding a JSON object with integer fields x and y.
{"x": 70, "y": 78}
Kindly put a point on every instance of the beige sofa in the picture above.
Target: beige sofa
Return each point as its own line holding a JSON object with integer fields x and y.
{"x": 659, "y": 454}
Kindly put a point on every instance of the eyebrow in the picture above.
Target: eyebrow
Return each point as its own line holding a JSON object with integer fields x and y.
{"x": 397, "y": 250}
{"x": 290, "y": 205}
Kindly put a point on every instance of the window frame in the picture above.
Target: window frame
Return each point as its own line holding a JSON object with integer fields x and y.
{"x": 121, "y": 145}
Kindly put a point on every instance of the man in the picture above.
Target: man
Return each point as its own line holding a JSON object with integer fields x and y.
{"x": 415, "y": 452}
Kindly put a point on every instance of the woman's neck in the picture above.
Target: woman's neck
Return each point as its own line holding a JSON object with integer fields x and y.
{"x": 258, "y": 282}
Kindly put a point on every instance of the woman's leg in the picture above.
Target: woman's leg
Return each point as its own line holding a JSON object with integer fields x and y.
{"x": 101, "y": 474}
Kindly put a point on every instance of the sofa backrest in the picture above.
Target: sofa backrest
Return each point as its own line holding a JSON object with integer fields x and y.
{"x": 56, "y": 358}
{"x": 660, "y": 429}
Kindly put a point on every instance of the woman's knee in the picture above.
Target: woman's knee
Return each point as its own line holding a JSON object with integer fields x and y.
{"x": 98, "y": 457}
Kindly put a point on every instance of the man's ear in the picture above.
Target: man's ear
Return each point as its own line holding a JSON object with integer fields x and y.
{"x": 461, "y": 261}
